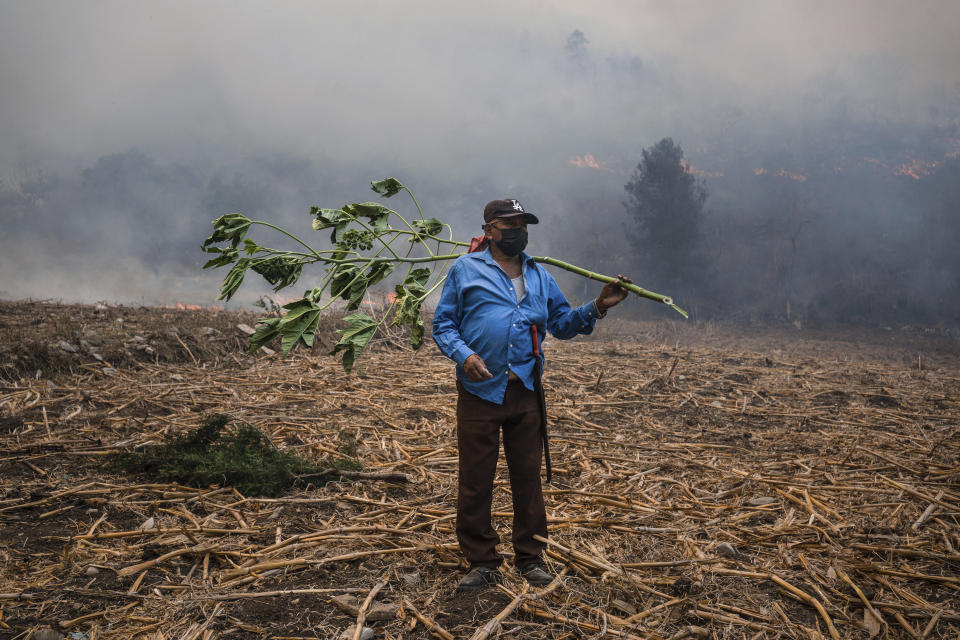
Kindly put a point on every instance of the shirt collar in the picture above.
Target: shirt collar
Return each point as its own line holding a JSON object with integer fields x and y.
{"x": 487, "y": 257}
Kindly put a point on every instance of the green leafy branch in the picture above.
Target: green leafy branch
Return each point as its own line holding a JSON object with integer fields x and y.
{"x": 366, "y": 249}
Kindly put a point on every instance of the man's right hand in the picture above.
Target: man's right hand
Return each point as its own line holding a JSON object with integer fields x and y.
{"x": 475, "y": 369}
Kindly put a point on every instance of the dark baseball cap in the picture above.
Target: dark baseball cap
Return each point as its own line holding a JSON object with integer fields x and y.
{"x": 508, "y": 208}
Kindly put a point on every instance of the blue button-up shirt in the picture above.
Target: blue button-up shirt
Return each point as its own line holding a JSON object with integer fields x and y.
{"x": 478, "y": 313}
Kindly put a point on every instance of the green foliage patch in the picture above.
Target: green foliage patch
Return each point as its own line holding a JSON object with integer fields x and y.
{"x": 242, "y": 457}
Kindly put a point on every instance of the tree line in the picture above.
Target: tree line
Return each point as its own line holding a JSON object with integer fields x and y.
{"x": 829, "y": 247}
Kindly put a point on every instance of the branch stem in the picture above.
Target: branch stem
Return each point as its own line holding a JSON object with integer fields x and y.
{"x": 599, "y": 277}
{"x": 416, "y": 204}
{"x": 289, "y": 235}
{"x": 450, "y": 256}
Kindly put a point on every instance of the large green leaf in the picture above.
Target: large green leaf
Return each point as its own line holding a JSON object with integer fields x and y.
{"x": 416, "y": 281}
{"x": 314, "y": 295}
{"x": 234, "y": 279}
{"x": 340, "y": 219}
{"x": 360, "y": 330}
{"x": 280, "y": 271}
{"x": 416, "y": 334}
{"x": 340, "y": 285}
{"x": 299, "y": 324}
{"x": 337, "y": 218}
{"x": 376, "y": 213}
{"x": 386, "y": 187}
{"x": 428, "y": 227}
{"x": 326, "y": 218}
{"x": 227, "y": 256}
{"x": 351, "y": 282}
{"x": 408, "y": 312}
{"x": 355, "y": 295}
{"x": 410, "y": 296}
{"x": 232, "y": 227}
{"x": 267, "y": 330}
{"x": 378, "y": 271}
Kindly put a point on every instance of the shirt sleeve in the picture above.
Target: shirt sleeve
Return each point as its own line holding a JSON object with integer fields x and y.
{"x": 562, "y": 321}
{"x": 447, "y": 317}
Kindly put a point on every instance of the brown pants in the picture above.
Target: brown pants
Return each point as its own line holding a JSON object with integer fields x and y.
{"x": 478, "y": 440}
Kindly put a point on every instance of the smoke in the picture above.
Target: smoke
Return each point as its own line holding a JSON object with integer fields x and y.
{"x": 125, "y": 128}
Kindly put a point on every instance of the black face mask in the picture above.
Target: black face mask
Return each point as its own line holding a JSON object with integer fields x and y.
{"x": 512, "y": 241}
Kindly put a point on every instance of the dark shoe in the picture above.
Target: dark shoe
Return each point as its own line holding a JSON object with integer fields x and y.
{"x": 478, "y": 578}
{"x": 535, "y": 574}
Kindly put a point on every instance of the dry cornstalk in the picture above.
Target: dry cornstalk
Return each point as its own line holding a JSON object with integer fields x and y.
{"x": 493, "y": 625}
{"x": 67, "y": 624}
{"x": 429, "y": 623}
{"x": 127, "y": 571}
{"x": 544, "y": 613}
{"x": 319, "y": 535}
{"x": 927, "y": 512}
{"x": 690, "y": 631}
{"x": 730, "y": 619}
{"x": 244, "y": 595}
{"x": 61, "y": 494}
{"x": 930, "y": 625}
{"x": 648, "y": 612}
{"x": 303, "y": 562}
{"x": 590, "y": 561}
{"x": 903, "y": 622}
{"x": 917, "y": 576}
{"x": 362, "y": 614}
{"x": 866, "y": 603}
{"x": 357, "y": 475}
{"x": 163, "y": 532}
{"x": 919, "y": 494}
{"x": 802, "y": 595}
{"x": 908, "y": 552}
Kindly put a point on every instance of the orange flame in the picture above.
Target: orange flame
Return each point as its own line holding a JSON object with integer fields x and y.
{"x": 689, "y": 168}
{"x": 915, "y": 168}
{"x": 876, "y": 161}
{"x": 377, "y": 299}
{"x": 586, "y": 161}
{"x": 798, "y": 177}
{"x": 781, "y": 173}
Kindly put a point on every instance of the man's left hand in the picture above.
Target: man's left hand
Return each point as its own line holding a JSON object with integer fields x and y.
{"x": 613, "y": 293}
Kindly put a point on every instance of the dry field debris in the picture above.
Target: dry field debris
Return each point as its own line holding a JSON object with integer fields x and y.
{"x": 699, "y": 492}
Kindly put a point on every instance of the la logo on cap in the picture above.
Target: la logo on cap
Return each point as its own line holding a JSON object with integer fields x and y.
{"x": 517, "y": 206}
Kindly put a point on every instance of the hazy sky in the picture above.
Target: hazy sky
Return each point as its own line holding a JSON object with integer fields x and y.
{"x": 452, "y": 91}
{"x": 421, "y": 80}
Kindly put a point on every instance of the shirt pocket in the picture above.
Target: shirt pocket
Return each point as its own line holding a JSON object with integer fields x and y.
{"x": 534, "y": 305}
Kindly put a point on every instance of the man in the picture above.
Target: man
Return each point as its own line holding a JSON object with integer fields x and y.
{"x": 491, "y": 301}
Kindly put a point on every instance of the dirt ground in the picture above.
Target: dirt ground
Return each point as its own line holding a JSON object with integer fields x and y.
{"x": 710, "y": 481}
